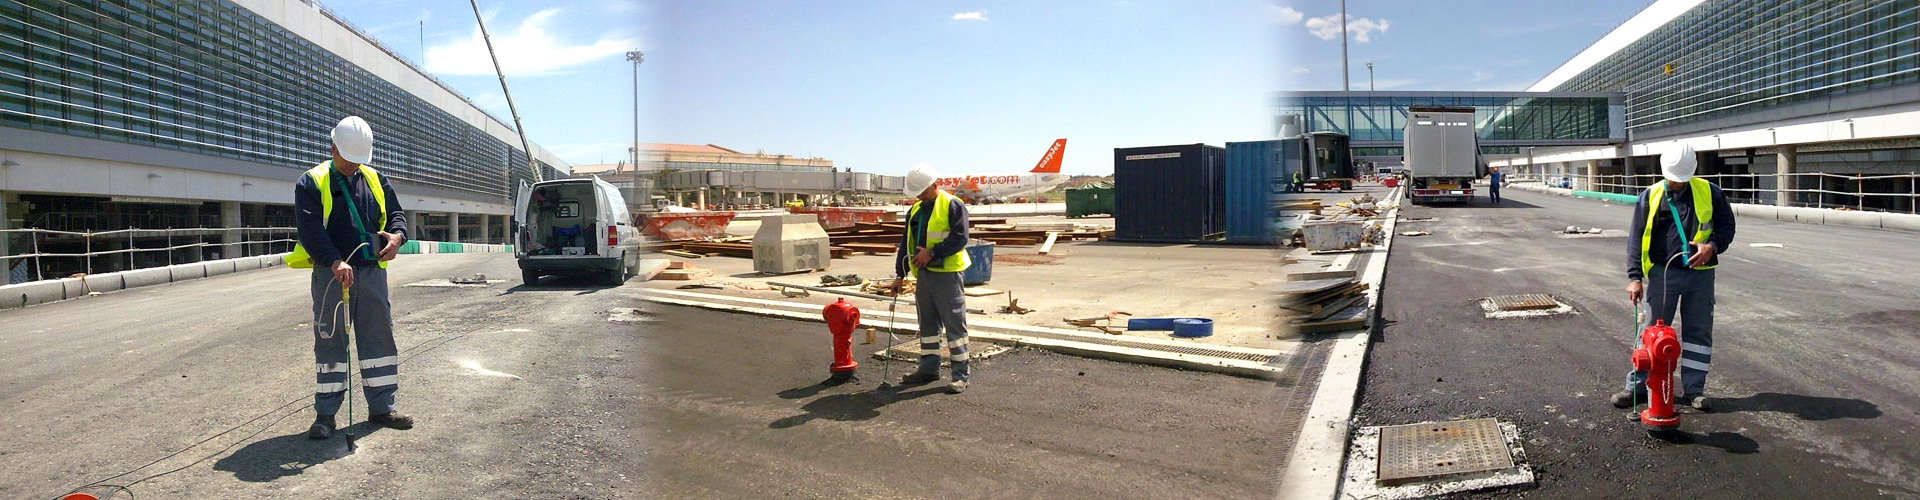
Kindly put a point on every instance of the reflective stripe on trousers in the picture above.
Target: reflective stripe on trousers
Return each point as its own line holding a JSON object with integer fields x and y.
{"x": 940, "y": 301}
{"x": 372, "y": 318}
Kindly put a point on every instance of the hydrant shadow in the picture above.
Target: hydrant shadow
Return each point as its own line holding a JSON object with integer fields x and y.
{"x": 853, "y": 406}
{"x": 1802, "y": 407}
{"x": 1730, "y": 442}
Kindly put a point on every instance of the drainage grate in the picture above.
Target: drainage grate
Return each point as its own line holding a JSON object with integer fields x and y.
{"x": 1421, "y": 451}
{"x": 1525, "y": 302}
{"x": 909, "y": 350}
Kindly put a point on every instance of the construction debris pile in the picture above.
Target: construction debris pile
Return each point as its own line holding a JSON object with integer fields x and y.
{"x": 882, "y": 238}
{"x": 1343, "y": 226}
{"x": 1329, "y": 301}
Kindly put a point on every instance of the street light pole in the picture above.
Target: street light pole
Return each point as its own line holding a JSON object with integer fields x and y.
{"x": 1344, "y": 87}
{"x": 1369, "y": 77}
{"x": 636, "y": 57}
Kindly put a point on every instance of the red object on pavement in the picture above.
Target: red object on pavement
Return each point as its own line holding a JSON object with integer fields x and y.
{"x": 842, "y": 318}
{"x": 680, "y": 226}
{"x": 839, "y": 217}
{"x": 1658, "y": 353}
{"x": 1390, "y": 182}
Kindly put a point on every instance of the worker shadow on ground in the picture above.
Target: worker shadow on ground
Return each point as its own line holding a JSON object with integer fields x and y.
{"x": 852, "y": 406}
{"x": 1801, "y": 407}
{"x": 1730, "y": 442}
{"x": 270, "y": 459}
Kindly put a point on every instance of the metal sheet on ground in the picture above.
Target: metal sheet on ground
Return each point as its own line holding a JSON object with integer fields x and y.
{"x": 1523, "y": 302}
{"x": 1432, "y": 449}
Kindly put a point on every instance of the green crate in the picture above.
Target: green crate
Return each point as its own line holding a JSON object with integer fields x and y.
{"x": 1088, "y": 201}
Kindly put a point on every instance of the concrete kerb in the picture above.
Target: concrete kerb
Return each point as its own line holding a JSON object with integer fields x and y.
{"x": 1314, "y": 467}
{"x": 1142, "y": 355}
{"x": 55, "y": 290}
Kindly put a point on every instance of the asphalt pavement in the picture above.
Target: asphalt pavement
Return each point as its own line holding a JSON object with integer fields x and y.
{"x": 520, "y": 392}
{"x": 734, "y": 409}
{"x": 1816, "y": 352}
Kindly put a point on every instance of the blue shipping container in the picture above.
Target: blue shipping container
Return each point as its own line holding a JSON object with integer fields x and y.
{"x": 1256, "y": 174}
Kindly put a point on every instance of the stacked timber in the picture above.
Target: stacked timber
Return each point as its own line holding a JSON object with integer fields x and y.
{"x": 1329, "y": 302}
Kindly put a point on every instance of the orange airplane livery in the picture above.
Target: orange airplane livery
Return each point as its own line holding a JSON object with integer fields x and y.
{"x": 998, "y": 188}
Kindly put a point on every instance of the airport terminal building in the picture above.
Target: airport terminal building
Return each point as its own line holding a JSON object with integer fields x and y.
{"x": 1789, "y": 102}
{"x": 160, "y": 114}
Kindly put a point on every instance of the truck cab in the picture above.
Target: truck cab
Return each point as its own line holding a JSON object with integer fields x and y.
{"x": 574, "y": 227}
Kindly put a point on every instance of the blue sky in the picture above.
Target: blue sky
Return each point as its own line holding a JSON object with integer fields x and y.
{"x": 565, "y": 62}
{"x": 1440, "y": 45}
{"x": 967, "y": 86}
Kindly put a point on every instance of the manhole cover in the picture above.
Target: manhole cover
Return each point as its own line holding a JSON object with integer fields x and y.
{"x": 1524, "y": 302}
{"x": 909, "y": 350}
{"x": 1422, "y": 451}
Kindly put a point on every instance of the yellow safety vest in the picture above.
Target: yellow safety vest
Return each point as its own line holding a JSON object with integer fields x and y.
{"x": 322, "y": 180}
{"x": 1702, "y": 211}
{"x": 937, "y": 229}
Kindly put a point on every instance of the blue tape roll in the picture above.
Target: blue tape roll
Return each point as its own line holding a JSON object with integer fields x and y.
{"x": 1150, "y": 324}
{"x": 1192, "y": 327}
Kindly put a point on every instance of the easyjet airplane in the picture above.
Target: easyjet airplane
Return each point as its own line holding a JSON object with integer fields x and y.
{"x": 999, "y": 188}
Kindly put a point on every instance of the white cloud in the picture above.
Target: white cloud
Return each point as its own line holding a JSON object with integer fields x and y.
{"x": 1361, "y": 29}
{"x": 528, "y": 50}
{"x": 970, "y": 16}
{"x": 1480, "y": 76}
{"x": 1301, "y": 70}
{"x": 1286, "y": 16}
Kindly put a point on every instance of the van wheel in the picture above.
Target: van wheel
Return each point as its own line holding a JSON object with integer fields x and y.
{"x": 529, "y": 277}
{"x": 617, "y": 276}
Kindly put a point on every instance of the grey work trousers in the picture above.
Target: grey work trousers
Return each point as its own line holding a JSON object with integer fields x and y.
{"x": 1690, "y": 292}
{"x": 372, "y": 317}
{"x": 940, "y": 299}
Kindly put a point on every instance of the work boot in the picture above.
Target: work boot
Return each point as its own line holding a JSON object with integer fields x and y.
{"x": 1622, "y": 399}
{"x": 392, "y": 421}
{"x": 958, "y": 386}
{"x": 919, "y": 378}
{"x": 322, "y": 428}
{"x": 1697, "y": 401}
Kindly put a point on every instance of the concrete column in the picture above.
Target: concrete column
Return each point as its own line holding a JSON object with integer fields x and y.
{"x": 1783, "y": 157}
{"x": 486, "y": 229}
{"x": 1591, "y": 166}
{"x": 701, "y": 199}
{"x": 230, "y": 240}
{"x": 6, "y": 265}
{"x": 453, "y": 227}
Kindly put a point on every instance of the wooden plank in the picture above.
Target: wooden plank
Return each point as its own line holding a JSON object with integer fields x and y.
{"x": 684, "y": 274}
{"x": 650, "y": 267}
{"x": 1017, "y": 242}
{"x": 1336, "y": 306}
{"x": 982, "y": 291}
{"x": 1321, "y": 275}
{"x": 872, "y": 248}
{"x": 1312, "y": 286}
{"x": 1352, "y": 318}
{"x": 681, "y": 254}
{"x": 1048, "y": 247}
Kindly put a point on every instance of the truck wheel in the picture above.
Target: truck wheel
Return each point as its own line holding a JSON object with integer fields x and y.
{"x": 529, "y": 277}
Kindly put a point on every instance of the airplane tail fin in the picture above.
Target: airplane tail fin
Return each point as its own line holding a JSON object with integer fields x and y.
{"x": 1050, "y": 163}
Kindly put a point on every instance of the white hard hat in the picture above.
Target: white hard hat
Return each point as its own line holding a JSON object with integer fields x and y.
{"x": 1677, "y": 163}
{"x": 919, "y": 179}
{"x": 354, "y": 139}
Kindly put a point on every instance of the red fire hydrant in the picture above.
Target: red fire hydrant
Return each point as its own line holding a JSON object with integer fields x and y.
{"x": 1658, "y": 353}
{"x": 842, "y": 318}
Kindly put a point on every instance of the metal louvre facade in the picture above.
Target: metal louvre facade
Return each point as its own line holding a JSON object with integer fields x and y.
{"x": 216, "y": 79}
{"x": 1729, "y": 63}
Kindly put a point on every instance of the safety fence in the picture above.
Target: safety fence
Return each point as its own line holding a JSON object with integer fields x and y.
{"x": 251, "y": 241}
{"x": 1896, "y": 193}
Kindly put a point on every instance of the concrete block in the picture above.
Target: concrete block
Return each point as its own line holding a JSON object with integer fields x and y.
{"x": 143, "y": 277}
{"x": 100, "y": 284}
{"x": 1751, "y": 211}
{"x": 245, "y": 264}
{"x": 1852, "y": 218}
{"x": 31, "y": 293}
{"x": 791, "y": 243}
{"x": 220, "y": 267}
{"x": 183, "y": 272}
{"x": 1802, "y": 214}
{"x": 1901, "y": 222}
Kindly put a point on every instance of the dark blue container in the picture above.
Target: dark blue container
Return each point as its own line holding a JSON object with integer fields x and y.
{"x": 1169, "y": 194}
{"x": 980, "y": 270}
{"x": 1256, "y": 174}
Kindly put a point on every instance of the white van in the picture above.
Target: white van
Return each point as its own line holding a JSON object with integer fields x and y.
{"x": 575, "y": 226}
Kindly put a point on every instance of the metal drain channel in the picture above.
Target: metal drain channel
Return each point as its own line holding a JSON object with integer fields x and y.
{"x": 1524, "y": 302}
{"x": 1419, "y": 451}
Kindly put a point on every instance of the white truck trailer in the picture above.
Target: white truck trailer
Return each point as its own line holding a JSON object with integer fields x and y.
{"x": 1442, "y": 154}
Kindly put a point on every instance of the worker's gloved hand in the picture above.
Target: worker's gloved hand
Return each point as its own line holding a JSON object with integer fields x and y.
{"x": 392, "y": 248}
{"x": 1634, "y": 291}
{"x": 1702, "y": 252}
{"x": 343, "y": 273}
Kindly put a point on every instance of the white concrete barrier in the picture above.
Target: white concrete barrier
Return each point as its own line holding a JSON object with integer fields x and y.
{"x": 1902, "y": 222}
{"x": 219, "y": 267}
{"x": 144, "y": 277}
{"x": 31, "y": 293}
{"x": 1851, "y": 218}
{"x": 1751, "y": 211}
{"x": 192, "y": 271}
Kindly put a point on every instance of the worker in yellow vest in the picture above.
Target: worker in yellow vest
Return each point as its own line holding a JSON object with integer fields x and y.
{"x": 1680, "y": 227}
{"x": 350, "y": 226}
{"x": 933, "y": 251}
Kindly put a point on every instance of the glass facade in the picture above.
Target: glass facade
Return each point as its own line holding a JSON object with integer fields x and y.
{"x": 1503, "y": 119}
{"x": 213, "y": 78}
{"x": 1725, "y": 58}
